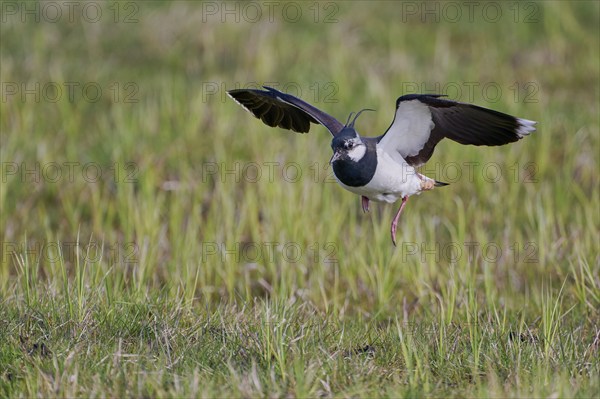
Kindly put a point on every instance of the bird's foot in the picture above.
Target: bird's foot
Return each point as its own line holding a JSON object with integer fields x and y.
{"x": 426, "y": 183}
{"x": 365, "y": 203}
{"x": 396, "y": 218}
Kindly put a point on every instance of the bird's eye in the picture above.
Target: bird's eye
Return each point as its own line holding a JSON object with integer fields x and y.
{"x": 348, "y": 145}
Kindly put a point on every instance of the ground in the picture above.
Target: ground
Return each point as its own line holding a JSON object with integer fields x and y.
{"x": 157, "y": 240}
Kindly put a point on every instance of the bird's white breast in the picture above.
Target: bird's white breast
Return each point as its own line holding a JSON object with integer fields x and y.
{"x": 393, "y": 179}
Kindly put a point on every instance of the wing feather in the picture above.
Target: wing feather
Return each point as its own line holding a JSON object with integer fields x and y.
{"x": 421, "y": 121}
{"x": 278, "y": 109}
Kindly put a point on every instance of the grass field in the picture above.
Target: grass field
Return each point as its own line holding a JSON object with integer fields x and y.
{"x": 158, "y": 241}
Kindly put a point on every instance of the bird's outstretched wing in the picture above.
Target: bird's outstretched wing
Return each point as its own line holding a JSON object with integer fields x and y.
{"x": 283, "y": 110}
{"x": 422, "y": 120}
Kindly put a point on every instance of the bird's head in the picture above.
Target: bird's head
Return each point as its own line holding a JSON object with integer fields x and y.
{"x": 347, "y": 145}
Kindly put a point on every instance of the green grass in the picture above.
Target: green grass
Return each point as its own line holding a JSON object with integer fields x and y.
{"x": 176, "y": 274}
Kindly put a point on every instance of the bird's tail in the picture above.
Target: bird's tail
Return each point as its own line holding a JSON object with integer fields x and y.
{"x": 440, "y": 183}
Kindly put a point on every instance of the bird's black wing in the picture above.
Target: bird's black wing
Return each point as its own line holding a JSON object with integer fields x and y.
{"x": 422, "y": 120}
{"x": 283, "y": 110}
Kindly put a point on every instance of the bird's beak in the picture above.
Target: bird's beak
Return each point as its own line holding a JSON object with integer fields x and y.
{"x": 335, "y": 157}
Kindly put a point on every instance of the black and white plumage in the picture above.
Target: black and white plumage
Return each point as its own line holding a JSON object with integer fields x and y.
{"x": 383, "y": 168}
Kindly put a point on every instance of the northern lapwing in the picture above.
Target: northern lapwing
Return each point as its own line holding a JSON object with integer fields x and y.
{"x": 382, "y": 168}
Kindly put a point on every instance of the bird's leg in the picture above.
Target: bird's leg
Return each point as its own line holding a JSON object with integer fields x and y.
{"x": 396, "y": 218}
{"x": 365, "y": 203}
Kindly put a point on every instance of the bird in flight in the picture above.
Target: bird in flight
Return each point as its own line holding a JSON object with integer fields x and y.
{"x": 383, "y": 168}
